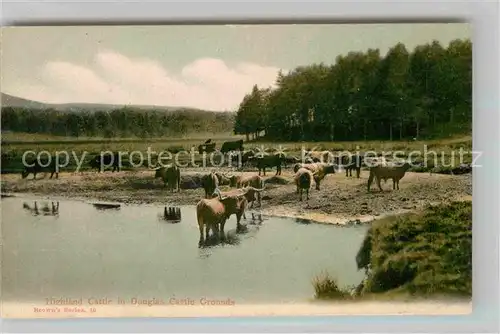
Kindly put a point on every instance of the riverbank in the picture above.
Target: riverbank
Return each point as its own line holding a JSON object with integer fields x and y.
{"x": 425, "y": 253}
{"x": 341, "y": 199}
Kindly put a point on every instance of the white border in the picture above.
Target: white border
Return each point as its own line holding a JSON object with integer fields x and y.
{"x": 484, "y": 18}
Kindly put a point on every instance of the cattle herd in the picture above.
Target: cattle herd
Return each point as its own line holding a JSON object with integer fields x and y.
{"x": 217, "y": 207}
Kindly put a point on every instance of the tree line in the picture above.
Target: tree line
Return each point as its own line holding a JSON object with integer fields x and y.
{"x": 123, "y": 122}
{"x": 425, "y": 93}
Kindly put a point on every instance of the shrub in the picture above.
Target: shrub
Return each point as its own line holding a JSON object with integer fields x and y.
{"x": 326, "y": 287}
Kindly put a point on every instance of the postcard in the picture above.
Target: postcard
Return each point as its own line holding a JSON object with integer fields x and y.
{"x": 236, "y": 170}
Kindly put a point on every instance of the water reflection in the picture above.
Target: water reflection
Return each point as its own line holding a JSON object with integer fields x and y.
{"x": 302, "y": 221}
{"x": 45, "y": 210}
{"x": 232, "y": 237}
{"x": 271, "y": 261}
{"x": 171, "y": 215}
{"x": 256, "y": 219}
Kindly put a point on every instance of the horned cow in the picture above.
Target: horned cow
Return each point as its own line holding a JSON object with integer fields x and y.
{"x": 171, "y": 176}
{"x": 320, "y": 170}
{"x": 250, "y": 193}
{"x": 252, "y": 182}
{"x": 212, "y": 213}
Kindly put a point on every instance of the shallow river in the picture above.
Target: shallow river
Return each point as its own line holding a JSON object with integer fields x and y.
{"x": 131, "y": 252}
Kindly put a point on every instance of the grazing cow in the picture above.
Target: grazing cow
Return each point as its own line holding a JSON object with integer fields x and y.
{"x": 303, "y": 180}
{"x": 171, "y": 176}
{"x": 206, "y": 148}
{"x": 269, "y": 161}
{"x": 41, "y": 166}
{"x": 320, "y": 170}
{"x": 209, "y": 182}
{"x": 212, "y": 213}
{"x": 253, "y": 181}
{"x": 229, "y": 146}
{"x": 100, "y": 162}
{"x": 388, "y": 171}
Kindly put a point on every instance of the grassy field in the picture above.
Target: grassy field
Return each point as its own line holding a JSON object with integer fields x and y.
{"x": 15, "y": 144}
{"x": 423, "y": 253}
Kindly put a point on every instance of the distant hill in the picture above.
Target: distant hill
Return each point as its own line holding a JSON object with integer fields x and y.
{"x": 14, "y": 101}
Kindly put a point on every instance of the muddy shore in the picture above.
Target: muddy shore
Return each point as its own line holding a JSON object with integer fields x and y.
{"x": 341, "y": 199}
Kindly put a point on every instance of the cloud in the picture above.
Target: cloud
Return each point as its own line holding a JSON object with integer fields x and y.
{"x": 206, "y": 83}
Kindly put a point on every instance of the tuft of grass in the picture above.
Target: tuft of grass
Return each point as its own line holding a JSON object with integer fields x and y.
{"x": 326, "y": 287}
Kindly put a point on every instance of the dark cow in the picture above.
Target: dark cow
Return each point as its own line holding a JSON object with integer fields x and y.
{"x": 209, "y": 182}
{"x": 355, "y": 163}
{"x": 99, "y": 162}
{"x": 269, "y": 161}
{"x": 462, "y": 169}
{"x": 229, "y": 146}
{"x": 171, "y": 176}
{"x": 240, "y": 157}
{"x": 36, "y": 167}
{"x": 290, "y": 160}
{"x": 207, "y": 148}
{"x": 208, "y": 141}
{"x": 223, "y": 179}
{"x": 350, "y": 162}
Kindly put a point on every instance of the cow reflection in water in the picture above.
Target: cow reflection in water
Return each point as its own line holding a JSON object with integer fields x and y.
{"x": 230, "y": 238}
{"x": 256, "y": 219}
{"x": 233, "y": 237}
{"x": 44, "y": 210}
{"x": 171, "y": 215}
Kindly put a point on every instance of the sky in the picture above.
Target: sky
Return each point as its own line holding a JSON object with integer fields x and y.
{"x": 206, "y": 67}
